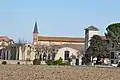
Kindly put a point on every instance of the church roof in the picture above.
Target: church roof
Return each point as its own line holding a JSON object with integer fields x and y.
{"x": 35, "y": 28}
{"x": 92, "y": 28}
{"x": 60, "y": 39}
{"x": 64, "y": 39}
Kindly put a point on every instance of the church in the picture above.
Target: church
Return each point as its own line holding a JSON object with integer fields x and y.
{"x": 68, "y": 46}
{"x": 52, "y": 47}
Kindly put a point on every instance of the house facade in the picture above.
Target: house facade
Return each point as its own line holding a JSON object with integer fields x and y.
{"x": 15, "y": 51}
{"x": 5, "y": 44}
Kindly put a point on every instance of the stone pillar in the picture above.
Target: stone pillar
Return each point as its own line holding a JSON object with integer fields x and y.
{"x": 20, "y": 53}
{"x": 32, "y": 55}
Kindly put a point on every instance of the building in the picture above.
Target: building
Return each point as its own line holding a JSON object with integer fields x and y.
{"x": 68, "y": 46}
{"x": 15, "y": 51}
{"x": 5, "y": 44}
{"x": 22, "y": 52}
{"x": 114, "y": 55}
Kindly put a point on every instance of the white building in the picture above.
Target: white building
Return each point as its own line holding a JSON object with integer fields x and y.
{"x": 5, "y": 44}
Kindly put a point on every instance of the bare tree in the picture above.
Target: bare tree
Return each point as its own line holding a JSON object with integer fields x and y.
{"x": 47, "y": 51}
{"x": 21, "y": 41}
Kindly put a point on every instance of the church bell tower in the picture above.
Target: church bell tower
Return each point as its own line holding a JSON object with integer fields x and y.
{"x": 35, "y": 34}
{"x": 90, "y": 32}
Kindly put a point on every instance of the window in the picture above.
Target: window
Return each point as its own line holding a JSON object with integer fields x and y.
{"x": 113, "y": 46}
{"x": 112, "y": 55}
{"x": 48, "y": 56}
{"x": 119, "y": 53}
{"x": 107, "y": 55}
{"x": 40, "y": 57}
{"x": 66, "y": 55}
{"x": 112, "y": 61}
{"x": 28, "y": 45}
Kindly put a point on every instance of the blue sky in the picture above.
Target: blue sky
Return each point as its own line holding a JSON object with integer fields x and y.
{"x": 55, "y": 17}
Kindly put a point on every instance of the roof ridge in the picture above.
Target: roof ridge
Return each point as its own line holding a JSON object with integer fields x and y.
{"x": 60, "y": 37}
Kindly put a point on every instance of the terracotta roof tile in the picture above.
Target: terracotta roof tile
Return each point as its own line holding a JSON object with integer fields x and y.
{"x": 62, "y": 39}
{"x": 5, "y": 38}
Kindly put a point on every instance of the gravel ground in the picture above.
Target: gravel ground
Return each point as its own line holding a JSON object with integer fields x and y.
{"x": 31, "y": 72}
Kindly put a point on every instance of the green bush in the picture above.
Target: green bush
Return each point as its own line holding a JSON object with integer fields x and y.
{"x": 54, "y": 62}
{"x": 62, "y": 64}
{"x": 36, "y": 62}
{"x": 57, "y": 62}
{"x": 49, "y": 62}
{"x": 60, "y": 61}
{"x": 4, "y": 63}
{"x": 18, "y": 63}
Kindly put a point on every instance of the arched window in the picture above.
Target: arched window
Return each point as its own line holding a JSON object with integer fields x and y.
{"x": 66, "y": 55}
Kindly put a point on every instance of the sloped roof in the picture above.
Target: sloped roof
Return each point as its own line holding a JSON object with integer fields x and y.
{"x": 92, "y": 28}
{"x": 73, "y": 46}
{"x": 35, "y": 28}
{"x": 64, "y": 39}
{"x": 5, "y": 38}
{"x": 61, "y": 39}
